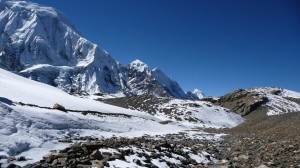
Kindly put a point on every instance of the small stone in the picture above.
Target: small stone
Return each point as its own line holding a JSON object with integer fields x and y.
{"x": 291, "y": 146}
{"x": 270, "y": 164}
{"x": 297, "y": 151}
{"x": 235, "y": 159}
{"x": 262, "y": 166}
{"x": 224, "y": 161}
{"x": 83, "y": 166}
{"x": 62, "y": 161}
{"x": 235, "y": 153}
{"x": 98, "y": 163}
{"x": 55, "y": 162}
{"x": 137, "y": 161}
{"x": 245, "y": 157}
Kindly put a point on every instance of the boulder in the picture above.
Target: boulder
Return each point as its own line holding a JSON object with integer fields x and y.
{"x": 59, "y": 107}
{"x": 96, "y": 155}
{"x": 21, "y": 158}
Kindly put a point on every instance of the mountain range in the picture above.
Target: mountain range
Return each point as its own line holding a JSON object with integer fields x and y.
{"x": 40, "y": 43}
{"x": 61, "y": 93}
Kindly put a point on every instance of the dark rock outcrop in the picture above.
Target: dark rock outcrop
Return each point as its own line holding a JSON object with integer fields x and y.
{"x": 242, "y": 101}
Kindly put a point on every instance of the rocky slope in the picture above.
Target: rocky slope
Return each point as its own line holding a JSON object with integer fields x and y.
{"x": 197, "y": 113}
{"x": 135, "y": 152}
{"x": 39, "y": 43}
{"x": 276, "y": 100}
{"x": 269, "y": 141}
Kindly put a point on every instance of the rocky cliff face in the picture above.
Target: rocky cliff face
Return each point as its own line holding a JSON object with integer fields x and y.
{"x": 39, "y": 43}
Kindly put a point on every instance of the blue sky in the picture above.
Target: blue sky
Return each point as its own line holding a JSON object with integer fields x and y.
{"x": 214, "y": 45}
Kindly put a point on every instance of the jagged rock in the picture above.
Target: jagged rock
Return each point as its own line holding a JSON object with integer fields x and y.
{"x": 96, "y": 155}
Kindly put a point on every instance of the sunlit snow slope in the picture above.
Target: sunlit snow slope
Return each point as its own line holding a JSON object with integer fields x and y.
{"x": 24, "y": 127}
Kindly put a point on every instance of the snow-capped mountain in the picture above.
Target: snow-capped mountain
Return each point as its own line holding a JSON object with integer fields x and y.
{"x": 141, "y": 80}
{"x": 195, "y": 95}
{"x": 168, "y": 84}
{"x": 39, "y": 43}
{"x": 199, "y": 93}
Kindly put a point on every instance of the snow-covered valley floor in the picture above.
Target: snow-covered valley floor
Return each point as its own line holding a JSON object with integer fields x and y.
{"x": 27, "y": 129}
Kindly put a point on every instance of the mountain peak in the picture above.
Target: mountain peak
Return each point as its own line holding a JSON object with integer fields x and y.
{"x": 198, "y": 93}
{"x": 15, "y": 5}
{"x": 39, "y": 43}
{"x": 33, "y": 12}
{"x": 138, "y": 65}
{"x": 169, "y": 84}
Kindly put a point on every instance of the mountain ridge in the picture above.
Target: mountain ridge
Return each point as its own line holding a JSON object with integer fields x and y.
{"x": 40, "y": 43}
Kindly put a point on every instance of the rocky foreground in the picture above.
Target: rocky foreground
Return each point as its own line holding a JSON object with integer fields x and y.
{"x": 180, "y": 150}
{"x": 262, "y": 141}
